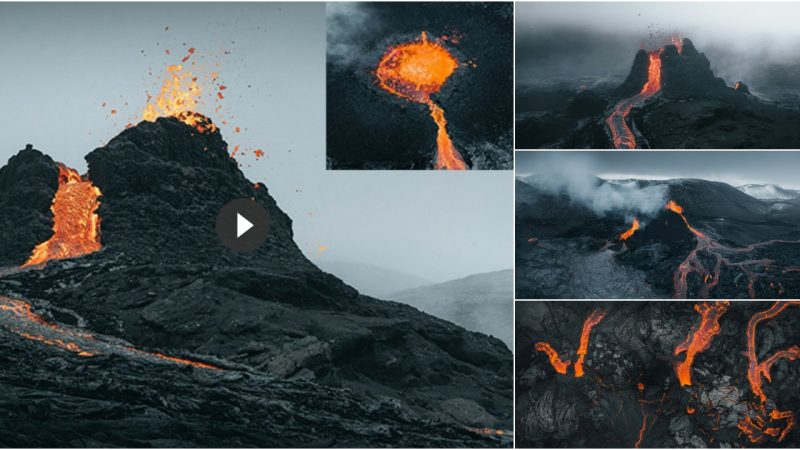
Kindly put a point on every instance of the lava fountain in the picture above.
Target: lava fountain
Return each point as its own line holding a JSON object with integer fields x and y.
{"x": 415, "y": 71}
{"x": 560, "y": 366}
{"x": 76, "y": 225}
{"x": 761, "y": 421}
{"x": 700, "y": 338}
{"x": 179, "y": 97}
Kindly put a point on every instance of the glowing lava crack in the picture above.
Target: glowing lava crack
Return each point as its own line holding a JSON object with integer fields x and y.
{"x": 415, "y": 71}
{"x": 76, "y": 225}
{"x": 700, "y": 338}
{"x": 583, "y": 346}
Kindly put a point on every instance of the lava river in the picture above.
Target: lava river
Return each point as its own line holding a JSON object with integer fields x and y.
{"x": 617, "y": 122}
{"x": 17, "y": 317}
{"x": 415, "y": 71}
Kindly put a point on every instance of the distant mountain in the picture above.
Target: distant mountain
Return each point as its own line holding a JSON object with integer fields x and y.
{"x": 478, "y": 302}
{"x": 768, "y": 192}
{"x": 372, "y": 280}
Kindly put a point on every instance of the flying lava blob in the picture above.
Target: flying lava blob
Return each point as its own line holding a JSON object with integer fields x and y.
{"x": 76, "y": 224}
{"x": 561, "y": 366}
{"x": 415, "y": 71}
{"x": 700, "y": 338}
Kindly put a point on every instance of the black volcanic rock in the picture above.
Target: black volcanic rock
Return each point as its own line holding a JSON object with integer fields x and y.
{"x": 163, "y": 282}
{"x": 637, "y": 76}
{"x": 27, "y": 186}
{"x": 688, "y": 75}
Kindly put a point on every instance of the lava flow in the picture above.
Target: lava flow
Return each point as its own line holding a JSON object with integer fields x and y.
{"x": 635, "y": 226}
{"x": 561, "y": 366}
{"x": 76, "y": 225}
{"x": 721, "y": 255}
{"x": 622, "y": 135}
{"x": 17, "y": 317}
{"x": 415, "y": 71}
{"x": 763, "y": 420}
{"x": 699, "y": 339}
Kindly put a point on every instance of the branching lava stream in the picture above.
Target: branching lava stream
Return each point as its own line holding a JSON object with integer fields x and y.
{"x": 560, "y": 366}
{"x": 700, "y": 338}
{"x": 415, "y": 71}
{"x": 617, "y": 121}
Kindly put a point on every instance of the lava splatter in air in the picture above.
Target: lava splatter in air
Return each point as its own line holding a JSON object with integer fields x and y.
{"x": 561, "y": 366}
{"x": 764, "y": 419}
{"x": 415, "y": 71}
{"x": 700, "y": 338}
{"x": 76, "y": 224}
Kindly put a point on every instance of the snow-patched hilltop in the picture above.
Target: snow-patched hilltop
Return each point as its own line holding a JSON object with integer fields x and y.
{"x": 769, "y": 192}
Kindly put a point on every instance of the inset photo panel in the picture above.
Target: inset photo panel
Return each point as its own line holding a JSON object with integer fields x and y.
{"x": 417, "y": 86}
{"x": 657, "y": 75}
{"x": 657, "y": 225}
{"x": 638, "y": 374}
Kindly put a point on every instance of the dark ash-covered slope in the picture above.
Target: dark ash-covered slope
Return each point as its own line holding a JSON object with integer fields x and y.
{"x": 163, "y": 282}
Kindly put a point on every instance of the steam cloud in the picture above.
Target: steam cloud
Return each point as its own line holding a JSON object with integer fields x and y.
{"x": 599, "y": 195}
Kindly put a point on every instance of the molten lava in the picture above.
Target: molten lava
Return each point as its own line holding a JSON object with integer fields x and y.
{"x": 699, "y": 339}
{"x": 415, "y": 71}
{"x": 594, "y": 318}
{"x": 763, "y": 420}
{"x": 721, "y": 255}
{"x": 635, "y": 226}
{"x": 18, "y": 317}
{"x": 179, "y": 97}
{"x": 76, "y": 225}
{"x": 555, "y": 360}
{"x": 617, "y": 122}
{"x": 560, "y": 366}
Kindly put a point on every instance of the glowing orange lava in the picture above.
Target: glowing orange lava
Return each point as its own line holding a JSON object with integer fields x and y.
{"x": 18, "y": 317}
{"x": 617, "y": 122}
{"x": 763, "y": 420}
{"x": 76, "y": 225}
{"x": 415, "y": 71}
{"x": 179, "y": 97}
{"x": 594, "y": 318}
{"x": 699, "y": 339}
{"x": 561, "y": 366}
{"x": 635, "y": 226}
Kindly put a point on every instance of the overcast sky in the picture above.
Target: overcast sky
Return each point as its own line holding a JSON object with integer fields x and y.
{"x": 573, "y": 39}
{"x": 61, "y": 62}
{"x": 735, "y": 168}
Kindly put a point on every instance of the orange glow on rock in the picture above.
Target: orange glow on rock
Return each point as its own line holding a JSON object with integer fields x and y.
{"x": 700, "y": 338}
{"x": 415, "y": 71}
{"x": 617, "y": 122}
{"x": 635, "y": 226}
{"x": 76, "y": 225}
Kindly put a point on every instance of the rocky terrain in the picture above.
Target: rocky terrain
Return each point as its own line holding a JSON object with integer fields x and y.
{"x": 630, "y": 393}
{"x": 301, "y": 359}
{"x": 692, "y": 109}
{"x": 725, "y": 244}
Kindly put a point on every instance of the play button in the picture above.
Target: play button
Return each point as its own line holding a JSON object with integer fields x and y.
{"x": 243, "y": 225}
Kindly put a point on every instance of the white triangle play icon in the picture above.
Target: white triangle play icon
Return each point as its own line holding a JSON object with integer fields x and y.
{"x": 242, "y": 225}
